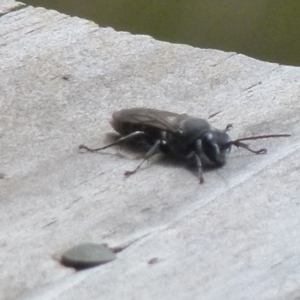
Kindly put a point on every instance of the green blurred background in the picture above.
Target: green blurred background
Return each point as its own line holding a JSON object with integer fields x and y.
{"x": 265, "y": 29}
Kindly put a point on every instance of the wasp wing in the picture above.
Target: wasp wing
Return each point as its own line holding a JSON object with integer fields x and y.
{"x": 154, "y": 118}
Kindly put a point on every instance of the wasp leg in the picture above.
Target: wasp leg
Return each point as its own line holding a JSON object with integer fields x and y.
{"x": 200, "y": 171}
{"x": 120, "y": 141}
{"x": 150, "y": 153}
{"x": 245, "y": 146}
{"x": 228, "y": 127}
{"x": 199, "y": 166}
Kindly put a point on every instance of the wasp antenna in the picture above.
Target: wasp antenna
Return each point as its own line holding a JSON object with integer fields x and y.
{"x": 257, "y": 137}
{"x": 238, "y": 143}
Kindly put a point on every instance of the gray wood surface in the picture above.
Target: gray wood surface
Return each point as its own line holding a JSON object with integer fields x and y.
{"x": 234, "y": 237}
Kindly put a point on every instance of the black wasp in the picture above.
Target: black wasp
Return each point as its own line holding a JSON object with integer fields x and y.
{"x": 182, "y": 135}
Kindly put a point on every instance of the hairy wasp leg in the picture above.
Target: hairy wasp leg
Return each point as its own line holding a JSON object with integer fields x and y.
{"x": 245, "y": 146}
{"x": 150, "y": 153}
{"x": 197, "y": 159}
{"x": 119, "y": 141}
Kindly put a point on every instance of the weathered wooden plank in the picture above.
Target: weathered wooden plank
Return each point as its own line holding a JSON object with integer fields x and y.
{"x": 234, "y": 237}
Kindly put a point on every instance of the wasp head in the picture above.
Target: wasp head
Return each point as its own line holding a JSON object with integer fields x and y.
{"x": 215, "y": 145}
